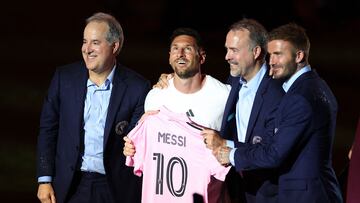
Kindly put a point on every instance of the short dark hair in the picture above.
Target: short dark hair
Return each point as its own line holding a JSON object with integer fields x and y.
{"x": 258, "y": 34}
{"x": 294, "y": 34}
{"x": 189, "y": 32}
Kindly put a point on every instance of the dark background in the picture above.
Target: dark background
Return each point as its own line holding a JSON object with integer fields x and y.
{"x": 38, "y": 36}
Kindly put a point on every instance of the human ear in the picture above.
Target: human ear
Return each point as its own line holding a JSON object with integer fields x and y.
{"x": 300, "y": 56}
{"x": 116, "y": 47}
{"x": 256, "y": 52}
{"x": 202, "y": 55}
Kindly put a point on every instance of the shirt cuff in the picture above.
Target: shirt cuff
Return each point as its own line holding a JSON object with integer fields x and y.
{"x": 44, "y": 179}
{"x": 231, "y": 156}
{"x": 230, "y": 143}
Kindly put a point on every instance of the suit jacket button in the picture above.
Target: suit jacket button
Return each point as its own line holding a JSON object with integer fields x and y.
{"x": 72, "y": 168}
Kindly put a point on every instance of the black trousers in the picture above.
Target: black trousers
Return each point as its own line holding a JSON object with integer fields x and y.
{"x": 90, "y": 187}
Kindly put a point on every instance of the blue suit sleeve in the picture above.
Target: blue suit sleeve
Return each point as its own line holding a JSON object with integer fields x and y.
{"x": 49, "y": 124}
{"x": 294, "y": 119}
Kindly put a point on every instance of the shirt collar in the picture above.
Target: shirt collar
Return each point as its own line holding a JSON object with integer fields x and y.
{"x": 287, "y": 84}
{"x": 254, "y": 82}
{"x": 108, "y": 80}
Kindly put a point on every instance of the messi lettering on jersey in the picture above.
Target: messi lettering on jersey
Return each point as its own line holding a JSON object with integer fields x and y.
{"x": 172, "y": 139}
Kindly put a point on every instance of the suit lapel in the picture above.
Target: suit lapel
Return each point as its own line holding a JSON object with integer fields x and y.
{"x": 305, "y": 76}
{"x": 230, "y": 107}
{"x": 79, "y": 93}
{"x": 117, "y": 94}
{"x": 79, "y": 85}
{"x": 258, "y": 101}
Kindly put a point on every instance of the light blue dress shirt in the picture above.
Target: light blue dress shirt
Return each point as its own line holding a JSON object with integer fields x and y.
{"x": 95, "y": 112}
{"x": 245, "y": 102}
{"x": 244, "y": 105}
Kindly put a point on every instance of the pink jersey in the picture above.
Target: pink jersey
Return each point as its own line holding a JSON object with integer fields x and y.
{"x": 173, "y": 159}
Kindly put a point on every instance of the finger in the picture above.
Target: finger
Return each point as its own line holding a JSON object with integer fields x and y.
{"x": 53, "y": 199}
{"x": 209, "y": 142}
{"x": 127, "y": 151}
{"x": 204, "y": 132}
{"x": 126, "y": 139}
{"x": 169, "y": 76}
{"x": 44, "y": 199}
{"x": 271, "y": 72}
{"x": 142, "y": 118}
{"x": 151, "y": 112}
{"x": 128, "y": 143}
{"x": 147, "y": 113}
{"x": 164, "y": 80}
{"x": 207, "y": 131}
{"x": 165, "y": 77}
{"x": 129, "y": 146}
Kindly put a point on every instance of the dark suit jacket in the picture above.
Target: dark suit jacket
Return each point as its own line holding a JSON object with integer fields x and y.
{"x": 61, "y": 137}
{"x": 300, "y": 146}
{"x": 267, "y": 99}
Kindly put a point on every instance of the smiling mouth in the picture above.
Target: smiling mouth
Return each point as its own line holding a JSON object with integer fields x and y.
{"x": 181, "y": 61}
{"x": 90, "y": 57}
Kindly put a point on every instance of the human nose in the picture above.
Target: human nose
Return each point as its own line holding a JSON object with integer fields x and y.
{"x": 181, "y": 52}
{"x": 86, "y": 48}
{"x": 227, "y": 55}
{"x": 271, "y": 60}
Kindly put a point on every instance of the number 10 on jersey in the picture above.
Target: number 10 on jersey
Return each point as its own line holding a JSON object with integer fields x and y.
{"x": 159, "y": 158}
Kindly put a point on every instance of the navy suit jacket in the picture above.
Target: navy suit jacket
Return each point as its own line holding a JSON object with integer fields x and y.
{"x": 267, "y": 99}
{"x": 61, "y": 137}
{"x": 300, "y": 146}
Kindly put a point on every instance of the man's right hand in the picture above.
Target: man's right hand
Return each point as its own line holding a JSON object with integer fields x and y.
{"x": 212, "y": 139}
{"x": 46, "y": 193}
{"x": 163, "y": 81}
{"x": 129, "y": 148}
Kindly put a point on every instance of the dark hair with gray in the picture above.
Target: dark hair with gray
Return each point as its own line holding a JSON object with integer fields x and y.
{"x": 258, "y": 33}
{"x": 294, "y": 34}
{"x": 115, "y": 33}
{"x": 189, "y": 32}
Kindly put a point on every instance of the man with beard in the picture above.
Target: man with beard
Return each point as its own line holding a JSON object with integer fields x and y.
{"x": 300, "y": 144}
{"x": 200, "y": 96}
{"x": 253, "y": 98}
{"x": 189, "y": 90}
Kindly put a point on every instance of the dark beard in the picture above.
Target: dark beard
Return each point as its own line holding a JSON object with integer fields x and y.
{"x": 187, "y": 73}
{"x": 292, "y": 69}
